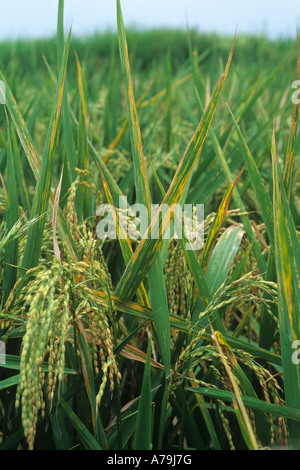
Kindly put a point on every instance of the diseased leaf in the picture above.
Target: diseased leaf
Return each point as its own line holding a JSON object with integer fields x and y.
{"x": 148, "y": 248}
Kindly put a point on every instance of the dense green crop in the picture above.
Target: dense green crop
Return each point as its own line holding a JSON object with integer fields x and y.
{"x": 146, "y": 344}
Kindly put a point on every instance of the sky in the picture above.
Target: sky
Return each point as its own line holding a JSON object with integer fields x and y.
{"x": 37, "y": 18}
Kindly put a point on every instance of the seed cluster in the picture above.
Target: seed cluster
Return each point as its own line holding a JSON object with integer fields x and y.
{"x": 49, "y": 302}
{"x": 179, "y": 282}
{"x": 272, "y": 393}
{"x": 41, "y": 309}
{"x": 70, "y": 211}
{"x": 203, "y": 359}
{"x": 248, "y": 290}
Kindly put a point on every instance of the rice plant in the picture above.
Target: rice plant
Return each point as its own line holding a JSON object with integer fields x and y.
{"x": 137, "y": 342}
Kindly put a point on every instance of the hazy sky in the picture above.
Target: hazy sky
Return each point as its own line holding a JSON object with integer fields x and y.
{"x": 33, "y": 18}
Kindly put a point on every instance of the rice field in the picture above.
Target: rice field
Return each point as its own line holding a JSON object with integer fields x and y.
{"x": 135, "y": 342}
